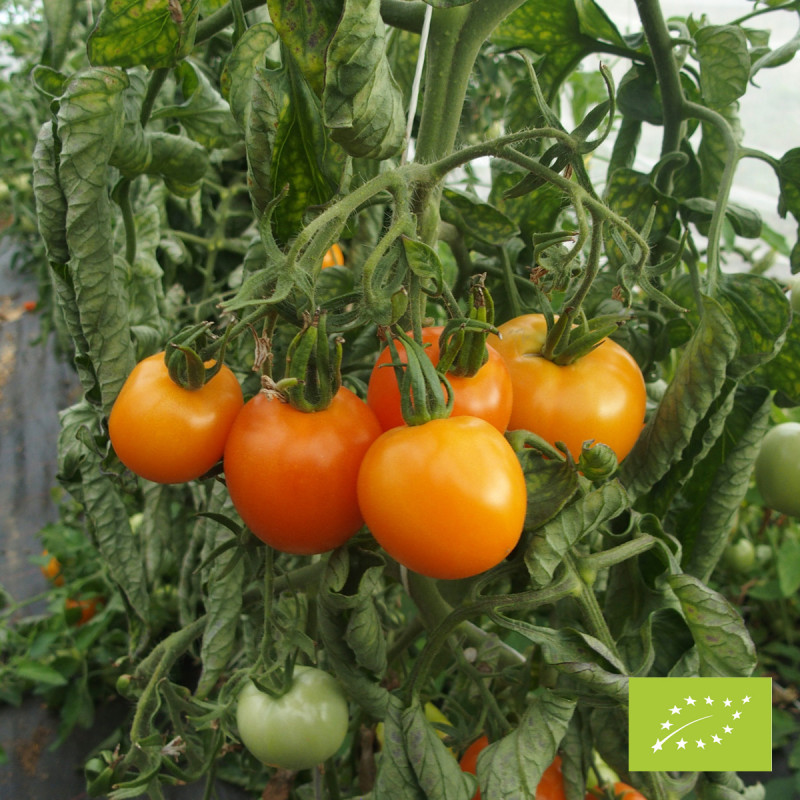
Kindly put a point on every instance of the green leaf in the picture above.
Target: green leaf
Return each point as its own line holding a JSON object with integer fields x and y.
{"x": 59, "y": 16}
{"x": 639, "y": 96}
{"x": 513, "y": 766}
{"x": 697, "y": 381}
{"x": 713, "y": 152}
{"x": 204, "y": 113}
{"x": 361, "y": 102}
{"x": 550, "y": 542}
{"x": 789, "y": 181}
{"x": 153, "y": 33}
{"x": 39, "y": 673}
{"x": 718, "y": 484}
{"x": 594, "y": 22}
{"x": 552, "y": 29}
{"x": 758, "y": 309}
{"x": 723, "y": 642}
{"x": 306, "y": 30}
{"x": 237, "y": 76}
{"x": 724, "y": 63}
{"x": 551, "y": 481}
{"x": 782, "y": 373}
{"x": 90, "y": 120}
{"x": 51, "y": 205}
{"x": 475, "y": 218}
{"x": 788, "y": 563}
{"x": 286, "y": 146}
{"x": 746, "y": 222}
{"x": 424, "y": 262}
{"x": 777, "y": 57}
{"x": 222, "y": 598}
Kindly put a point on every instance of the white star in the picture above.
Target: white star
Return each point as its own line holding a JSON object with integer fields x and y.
{"x": 681, "y": 744}
{"x": 701, "y": 744}
{"x": 709, "y": 701}
{"x": 736, "y": 715}
{"x": 689, "y": 701}
{"x": 716, "y": 739}
{"x": 727, "y": 702}
{"x": 666, "y": 725}
{"x": 746, "y": 699}
{"x": 728, "y": 729}
{"x": 675, "y": 710}
{"x": 657, "y": 745}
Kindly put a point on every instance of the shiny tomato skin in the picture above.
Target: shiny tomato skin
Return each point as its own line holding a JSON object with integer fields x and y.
{"x": 599, "y": 397}
{"x": 292, "y": 475}
{"x": 469, "y": 761}
{"x": 169, "y": 434}
{"x": 446, "y": 499}
{"x": 301, "y": 728}
{"x": 487, "y": 394}
{"x": 777, "y": 468}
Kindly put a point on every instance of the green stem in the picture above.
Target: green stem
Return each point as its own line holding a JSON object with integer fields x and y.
{"x": 708, "y": 115}
{"x": 669, "y": 81}
{"x": 157, "y": 78}
{"x": 616, "y": 555}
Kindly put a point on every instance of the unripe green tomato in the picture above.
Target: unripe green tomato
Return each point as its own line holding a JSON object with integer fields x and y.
{"x": 299, "y": 729}
{"x": 795, "y": 296}
{"x": 777, "y": 468}
{"x": 740, "y": 555}
{"x": 763, "y": 554}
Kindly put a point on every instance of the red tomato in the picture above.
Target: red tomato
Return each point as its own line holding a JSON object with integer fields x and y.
{"x": 446, "y": 499}
{"x": 551, "y": 785}
{"x": 599, "y": 397}
{"x": 169, "y": 434}
{"x": 486, "y": 395}
{"x": 88, "y": 608}
{"x": 333, "y": 257}
{"x": 292, "y": 475}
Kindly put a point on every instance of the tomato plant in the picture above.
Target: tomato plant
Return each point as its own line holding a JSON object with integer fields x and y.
{"x": 292, "y": 475}
{"x": 487, "y": 394}
{"x": 299, "y": 729}
{"x": 599, "y": 397}
{"x": 195, "y": 165}
{"x": 166, "y": 433}
{"x": 468, "y": 489}
{"x": 777, "y": 468}
{"x": 80, "y": 611}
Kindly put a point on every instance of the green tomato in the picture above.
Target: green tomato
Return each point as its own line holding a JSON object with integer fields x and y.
{"x": 777, "y": 468}
{"x": 740, "y": 555}
{"x": 299, "y": 729}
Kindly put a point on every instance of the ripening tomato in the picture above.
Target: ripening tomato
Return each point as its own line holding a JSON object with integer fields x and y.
{"x": 486, "y": 395}
{"x": 169, "y": 434}
{"x": 79, "y": 612}
{"x": 292, "y": 475}
{"x": 446, "y": 499}
{"x": 599, "y": 397}
{"x": 333, "y": 257}
{"x": 469, "y": 761}
{"x": 52, "y": 569}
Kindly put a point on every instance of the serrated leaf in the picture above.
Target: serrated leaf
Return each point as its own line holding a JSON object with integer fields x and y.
{"x": 473, "y": 217}
{"x": 153, "y": 33}
{"x": 361, "y": 101}
{"x": 723, "y": 641}
{"x": 513, "y": 766}
{"x": 204, "y": 114}
{"x": 724, "y": 63}
{"x": 550, "y": 542}
{"x": 699, "y": 376}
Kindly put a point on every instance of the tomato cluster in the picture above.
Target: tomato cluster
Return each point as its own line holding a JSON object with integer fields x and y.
{"x": 446, "y": 497}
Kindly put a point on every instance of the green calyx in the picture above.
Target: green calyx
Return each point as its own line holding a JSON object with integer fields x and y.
{"x": 313, "y": 367}
{"x": 462, "y": 345}
{"x": 188, "y": 355}
{"x": 425, "y": 393}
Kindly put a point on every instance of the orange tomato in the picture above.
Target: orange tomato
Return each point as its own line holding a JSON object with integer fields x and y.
{"x": 169, "y": 434}
{"x": 621, "y": 792}
{"x": 446, "y": 499}
{"x": 292, "y": 475}
{"x": 87, "y": 608}
{"x": 599, "y": 397}
{"x": 333, "y": 257}
{"x": 487, "y": 394}
{"x": 52, "y": 570}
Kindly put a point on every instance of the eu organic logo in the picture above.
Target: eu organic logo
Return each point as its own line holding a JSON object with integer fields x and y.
{"x": 700, "y": 724}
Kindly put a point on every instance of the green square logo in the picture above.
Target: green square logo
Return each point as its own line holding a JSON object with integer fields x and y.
{"x": 700, "y": 724}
